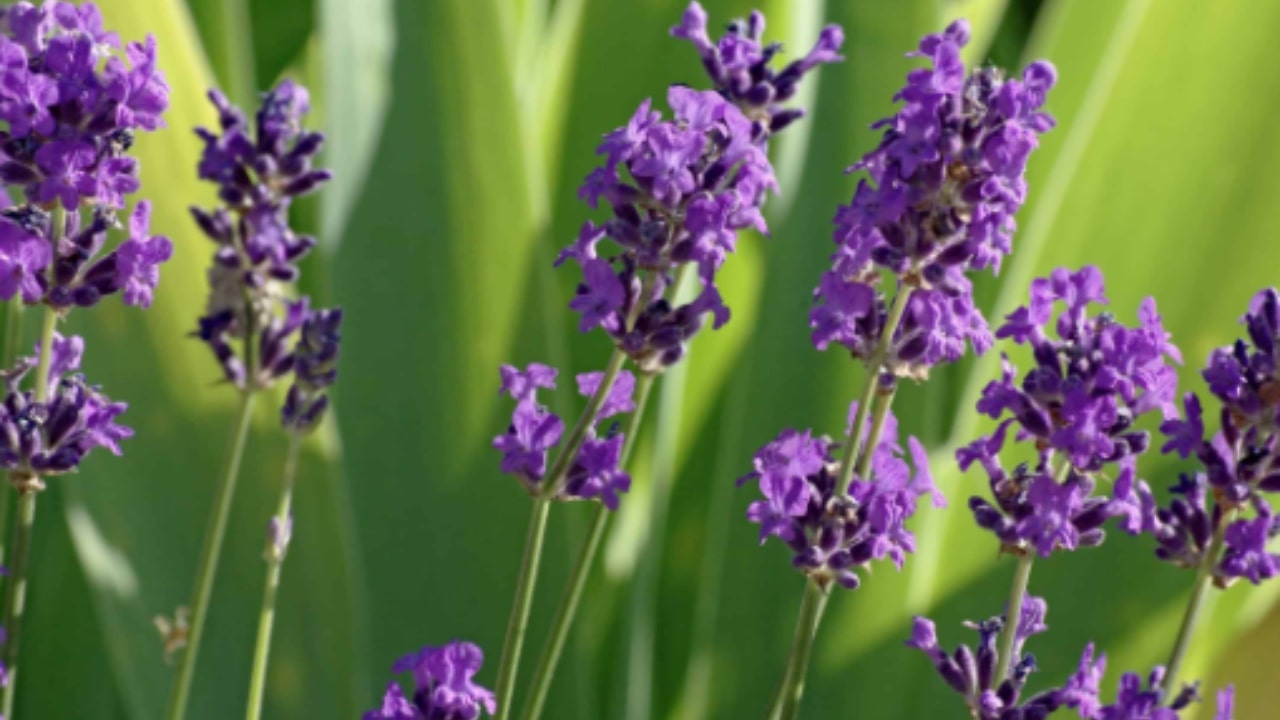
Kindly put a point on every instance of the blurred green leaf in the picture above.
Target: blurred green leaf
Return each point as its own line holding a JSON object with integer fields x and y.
{"x": 226, "y": 33}
{"x": 358, "y": 42}
{"x": 280, "y": 29}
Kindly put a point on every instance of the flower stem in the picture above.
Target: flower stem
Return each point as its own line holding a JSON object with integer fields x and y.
{"x": 568, "y": 608}
{"x": 874, "y": 366}
{"x": 12, "y": 339}
{"x": 277, "y": 545}
{"x": 1204, "y": 578}
{"x": 209, "y": 554}
{"x": 15, "y": 600}
{"x": 1009, "y": 634}
{"x": 519, "y": 621}
{"x": 815, "y": 601}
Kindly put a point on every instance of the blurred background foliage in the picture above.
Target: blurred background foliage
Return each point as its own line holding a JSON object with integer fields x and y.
{"x": 459, "y": 130}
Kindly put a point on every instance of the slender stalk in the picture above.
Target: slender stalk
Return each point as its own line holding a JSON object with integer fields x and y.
{"x": 1204, "y": 577}
{"x": 207, "y": 569}
{"x": 815, "y": 601}
{"x": 874, "y": 366}
{"x": 15, "y": 600}
{"x": 518, "y": 624}
{"x": 12, "y": 339}
{"x": 1009, "y": 634}
{"x": 275, "y": 552}
{"x": 568, "y": 608}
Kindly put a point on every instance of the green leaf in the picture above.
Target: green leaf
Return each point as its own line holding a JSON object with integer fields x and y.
{"x": 358, "y": 41}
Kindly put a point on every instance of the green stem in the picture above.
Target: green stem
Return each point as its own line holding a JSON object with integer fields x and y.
{"x": 15, "y": 601}
{"x": 815, "y": 601}
{"x": 12, "y": 339}
{"x": 518, "y": 624}
{"x": 277, "y": 546}
{"x": 1013, "y": 613}
{"x": 207, "y": 569}
{"x": 874, "y": 366}
{"x": 568, "y": 609}
{"x": 1204, "y": 578}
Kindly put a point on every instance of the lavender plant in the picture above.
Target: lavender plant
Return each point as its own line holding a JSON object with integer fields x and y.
{"x": 938, "y": 202}
{"x": 680, "y": 191}
{"x": 252, "y": 325}
{"x": 72, "y": 100}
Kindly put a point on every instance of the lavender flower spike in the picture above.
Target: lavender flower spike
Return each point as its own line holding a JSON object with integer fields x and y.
{"x": 832, "y": 535}
{"x": 938, "y": 202}
{"x": 1078, "y": 405}
{"x": 315, "y": 370}
{"x": 444, "y": 686}
{"x": 259, "y": 169}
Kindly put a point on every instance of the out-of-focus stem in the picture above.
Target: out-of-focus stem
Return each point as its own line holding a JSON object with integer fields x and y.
{"x": 275, "y": 552}
{"x": 815, "y": 601}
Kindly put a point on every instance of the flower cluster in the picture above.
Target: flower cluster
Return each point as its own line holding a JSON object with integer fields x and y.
{"x": 444, "y": 686}
{"x": 596, "y": 470}
{"x": 938, "y": 201}
{"x": 680, "y": 191}
{"x": 71, "y": 105}
{"x": 51, "y": 437}
{"x": 1240, "y": 463}
{"x": 972, "y": 673}
{"x": 831, "y": 534}
{"x": 315, "y": 370}
{"x": 1077, "y": 406}
{"x": 258, "y": 170}
{"x": 738, "y": 64}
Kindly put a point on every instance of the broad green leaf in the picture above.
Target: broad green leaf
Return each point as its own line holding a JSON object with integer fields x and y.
{"x": 358, "y": 40}
{"x": 226, "y": 33}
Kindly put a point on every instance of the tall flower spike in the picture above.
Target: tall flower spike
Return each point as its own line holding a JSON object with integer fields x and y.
{"x": 596, "y": 472}
{"x": 831, "y": 535}
{"x": 444, "y": 686}
{"x": 937, "y": 203}
{"x": 739, "y": 64}
{"x": 259, "y": 169}
{"x": 680, "y": 190}
{"x": 1077, "y": 407}
{"x": 72, "y": 100}
{"x": 1240, "y": 462}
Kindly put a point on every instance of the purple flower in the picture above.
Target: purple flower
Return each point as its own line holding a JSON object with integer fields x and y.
{"x": 596, "y": 472}
{"x": 52, "y": 437}
{"x": 831, "y": 535}
{"x": 680, "y": 191}
{"x": 619, "y": 400}
{"x": 971, "y": 671}
{"x": 599, "y": 298}
{"x": 938, "y": 202}
{"x": 524, "y": 385}
{"x": 259, "y": 168}
{"x": 315, "y": 370}
{"x": 739, "y": 64}
{"x": 23, "y": 259}
{"x": 138, "y": 259}
{"x": 444, "y": 690}
{"x": 1226, "y": 703}
{"x": 1246, "y": 553}
{"x": 1084, "y": 686}
{"x": 1078, "y": 404}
